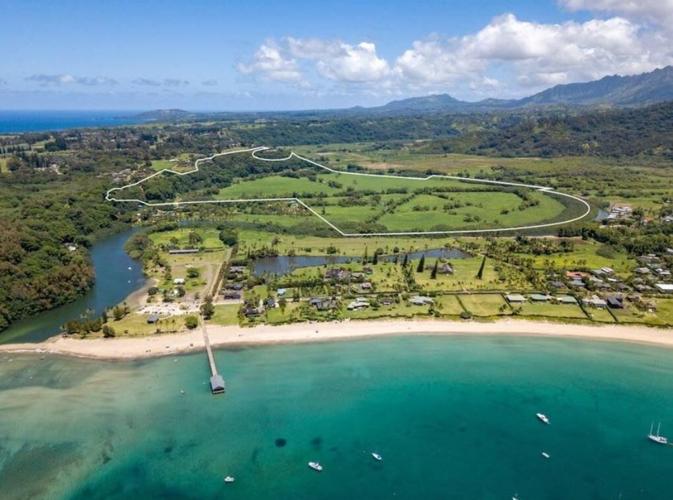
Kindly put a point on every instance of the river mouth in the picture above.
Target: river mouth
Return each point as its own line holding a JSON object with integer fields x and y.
{"x": 117, "y": 276}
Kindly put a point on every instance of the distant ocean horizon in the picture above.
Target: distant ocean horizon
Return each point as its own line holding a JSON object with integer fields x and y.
{"x": 17, "y": 121}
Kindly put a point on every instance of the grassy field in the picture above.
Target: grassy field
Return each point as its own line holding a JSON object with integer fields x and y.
{"x": 341, "y": 215}
{"x": 559, "y": 311}
{"x": 274, "y": 186}
{"x": 182, "y": 163}
{"x": 136, "y": 325}
{"x": 600, "y": 315}
{"x": 476, "y": 210}
{"x": 448, "y": 305}
{"x": 3, "y": 166}
{"x": 401, "y": 310}
{"x": 440, "y": 204}
{"x": 163, "y": 164}
{"x": 316, "y": 245}
{"x": 464, "y": 277}
{"x": 291, "y": 314}
{"x": 412, "y": 157}
{"x": 180, "y": 237}
{"x": 630, "y": 314}
{"x": 484, "y": 305}
{"x": 664, "y": 316}
{"x": 225, "y": 314}
{"x": 586, "y": 254}
{"x": 207, "y": 263}
{"x": 638, "y": 183}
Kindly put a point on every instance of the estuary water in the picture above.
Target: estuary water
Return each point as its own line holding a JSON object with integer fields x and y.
{"x": 117, "y": 276}
{"x": 453, "y": 417}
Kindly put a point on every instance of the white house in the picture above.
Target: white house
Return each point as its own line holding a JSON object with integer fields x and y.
{"x": 420, "y": 300}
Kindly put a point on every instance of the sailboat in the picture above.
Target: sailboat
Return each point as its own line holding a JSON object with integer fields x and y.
{"x": 657, "y": 438}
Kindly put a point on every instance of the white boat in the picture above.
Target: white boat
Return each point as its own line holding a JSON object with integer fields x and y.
{"x": 657, "y": 438}
{"x": 543, "y": 418}
{"x": 315, "y": 466}
{"x": 229, "y": 479}
{"x": 376, "y": 456}
{"x": 545, "y": 454}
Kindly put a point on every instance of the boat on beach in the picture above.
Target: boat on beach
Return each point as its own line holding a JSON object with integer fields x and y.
{"x": 657, "y": 438}
{"x": 315, "y": 466}
{"x": 542, "y": 418}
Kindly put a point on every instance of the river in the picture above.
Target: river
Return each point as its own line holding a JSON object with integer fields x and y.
{"x": 114, "y": 282}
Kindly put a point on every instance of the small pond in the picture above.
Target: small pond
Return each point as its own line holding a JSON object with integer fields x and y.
{"x": 284, "y": 264}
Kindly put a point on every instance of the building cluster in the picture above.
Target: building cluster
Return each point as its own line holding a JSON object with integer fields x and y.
{"x": 234, "y": 283}
{"x": 619, "y": 213}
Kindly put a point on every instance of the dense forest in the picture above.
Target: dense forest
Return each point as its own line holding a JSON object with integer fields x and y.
{"x": 48, "y": 219}
{"x": 644, "y": 132}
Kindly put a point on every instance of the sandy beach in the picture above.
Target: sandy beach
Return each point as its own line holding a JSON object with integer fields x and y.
{"x": 232, "y": 336}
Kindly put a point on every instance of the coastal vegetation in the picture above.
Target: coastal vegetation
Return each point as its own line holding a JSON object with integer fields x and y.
{"x": 53, "y": 210}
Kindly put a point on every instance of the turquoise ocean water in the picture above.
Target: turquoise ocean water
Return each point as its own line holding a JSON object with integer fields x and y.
{"x": 453, "y": 417}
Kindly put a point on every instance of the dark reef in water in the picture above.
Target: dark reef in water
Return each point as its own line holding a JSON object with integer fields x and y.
{"x": 316, "y": 442}
{"x": 280, "y": 442}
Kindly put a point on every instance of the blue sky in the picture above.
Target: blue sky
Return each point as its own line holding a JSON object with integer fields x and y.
{"x": 223, "y": 55}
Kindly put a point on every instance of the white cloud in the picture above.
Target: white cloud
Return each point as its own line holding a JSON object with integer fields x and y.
{"x": 272, "y": 64}
{"x": 506, "y": 54}
{"x": 571, "y": 51}
{"x": 436, "y": 61}
{"x": 166, "y": 82}
{"x": 66, "y": 79}
{"x": 658, "y": 11}
{"x": 175, "y": 82}
{"x": 537, "y": 54}
{"x": 291, "y": 58}
{"x": 341, "y": 61}
{"x": 146, "y": 82}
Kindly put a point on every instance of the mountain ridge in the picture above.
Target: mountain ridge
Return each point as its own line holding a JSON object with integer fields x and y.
{"x": 610, "y": 91}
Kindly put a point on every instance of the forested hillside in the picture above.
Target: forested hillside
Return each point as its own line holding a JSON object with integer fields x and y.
{"x": 48, "y": 218}
{"x": 617, "y": 133}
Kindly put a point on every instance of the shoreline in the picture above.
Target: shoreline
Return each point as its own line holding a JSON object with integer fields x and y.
{"x": 129, "y": 348}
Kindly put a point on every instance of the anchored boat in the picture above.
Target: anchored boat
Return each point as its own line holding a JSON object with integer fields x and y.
{"x": 657, "y": 438}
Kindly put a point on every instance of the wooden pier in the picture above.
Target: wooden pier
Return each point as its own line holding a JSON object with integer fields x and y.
{"x": 216, "y": 381}
{"x": 217, "y": 385}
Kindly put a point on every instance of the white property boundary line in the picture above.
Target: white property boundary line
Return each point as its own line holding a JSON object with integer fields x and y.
{"x": 253, "y": 152}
